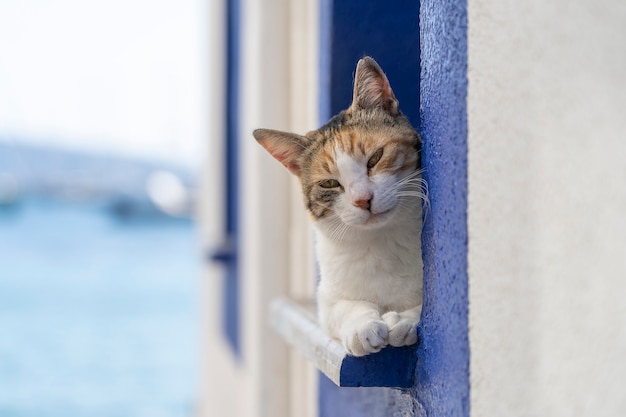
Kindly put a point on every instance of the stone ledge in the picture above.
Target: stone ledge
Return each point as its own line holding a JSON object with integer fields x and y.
{"x": 297, "y": 323}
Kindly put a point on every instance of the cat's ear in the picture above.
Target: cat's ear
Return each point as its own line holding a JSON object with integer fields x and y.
{"x": 372, "y": 89}
{"x": 285, "y": 147}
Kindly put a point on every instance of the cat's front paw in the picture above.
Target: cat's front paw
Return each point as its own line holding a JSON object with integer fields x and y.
{"x": 402, "y": 331}
{"x": 365, "y": 337}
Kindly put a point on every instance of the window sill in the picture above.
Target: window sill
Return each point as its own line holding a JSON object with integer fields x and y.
{"x": 296, "y": 322}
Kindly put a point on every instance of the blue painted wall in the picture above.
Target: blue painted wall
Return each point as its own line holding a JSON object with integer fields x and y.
{"x": 442, "y": 379}
{"x": 389, "y": 32}
{"x": 352, "y": 29}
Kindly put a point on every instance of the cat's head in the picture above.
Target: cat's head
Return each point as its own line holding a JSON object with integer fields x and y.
{"x": 361, "y": 166}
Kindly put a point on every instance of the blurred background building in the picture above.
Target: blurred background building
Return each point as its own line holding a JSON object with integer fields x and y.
{"x": 102, "y": 130}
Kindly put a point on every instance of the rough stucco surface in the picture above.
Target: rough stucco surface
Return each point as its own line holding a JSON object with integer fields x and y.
{"x": 442, "y": 387}
{"x": 547, "y": 207}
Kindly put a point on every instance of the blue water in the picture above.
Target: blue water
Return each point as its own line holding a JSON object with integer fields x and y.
{"x": 97, "y": 317}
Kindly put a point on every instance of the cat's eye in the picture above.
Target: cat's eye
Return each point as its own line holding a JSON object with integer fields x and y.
{"x": 329, "y": 184}
{"x": 371, "y": 163}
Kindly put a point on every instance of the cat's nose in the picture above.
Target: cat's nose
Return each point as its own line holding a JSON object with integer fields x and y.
{"x": 361, "y": 196}
{"x": 363, "y": 203}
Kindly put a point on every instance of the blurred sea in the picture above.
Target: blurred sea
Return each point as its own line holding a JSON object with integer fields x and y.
{"x": 98, "y": 316}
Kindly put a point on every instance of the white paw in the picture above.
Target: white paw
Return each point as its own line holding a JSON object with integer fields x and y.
{"x": 402, "y": 331}
{"x": 364, "y": 337}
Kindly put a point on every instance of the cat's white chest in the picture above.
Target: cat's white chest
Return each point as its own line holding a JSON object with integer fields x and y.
{"x": 384, "y": 268}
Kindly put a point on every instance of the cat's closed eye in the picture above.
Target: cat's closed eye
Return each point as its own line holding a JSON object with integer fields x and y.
{"x": 329, "y": 183}
{"x": 371, "y": 163}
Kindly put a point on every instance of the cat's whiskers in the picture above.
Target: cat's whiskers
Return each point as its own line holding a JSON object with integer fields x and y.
{"x": 413, "y": 185}
{"x": 410, "y": 188}
{"x": 413, "y": 178}
{"x": 337, "y": 232}
{"x": 407, "y": 200}
{"x": 338, "y": 229}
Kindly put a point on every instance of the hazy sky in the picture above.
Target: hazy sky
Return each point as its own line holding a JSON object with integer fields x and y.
{"x": 121, "y": 76}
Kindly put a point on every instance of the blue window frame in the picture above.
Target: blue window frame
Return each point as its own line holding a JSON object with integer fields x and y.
{"x": 226, "y": 254}
{"x": 388, "y": 32}
{"x": 231, "y": 313}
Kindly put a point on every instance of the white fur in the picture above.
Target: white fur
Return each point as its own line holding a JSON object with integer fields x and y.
{"x": 370, "y": 292}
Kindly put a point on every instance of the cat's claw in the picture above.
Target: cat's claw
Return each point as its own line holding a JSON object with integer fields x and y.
{"x": 402, "y": 331}
{"x": 365, "y": 338}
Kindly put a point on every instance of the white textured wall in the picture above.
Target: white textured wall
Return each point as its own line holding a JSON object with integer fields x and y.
{"x": 547, "y": 207}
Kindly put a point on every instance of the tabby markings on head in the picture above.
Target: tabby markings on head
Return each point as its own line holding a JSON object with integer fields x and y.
{"x": 370, "y": 130}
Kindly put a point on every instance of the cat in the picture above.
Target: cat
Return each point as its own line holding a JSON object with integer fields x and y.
{"x": 361, "y": 181}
